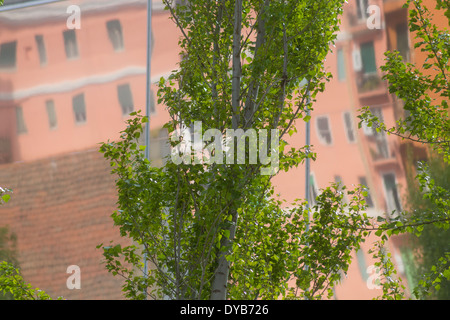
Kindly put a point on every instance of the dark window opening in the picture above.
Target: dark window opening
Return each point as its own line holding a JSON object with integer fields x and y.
{"x": 115, "y": 34}
{"x": 368, "y": 198}
{"x": 51, "y": 113}
{"x": 402, "y": 40}
{"x": 392, "y": 196}
{"x": 41, "y": 49}
{"x": 20, "y": 121}
{"x": 361, "y": 8}
{"x": 323, "y": 128}
{"x": 349, "y": 127}
{"x": 70, "y": 44}
{"x": 8, "y": 54}
{"x": 79, "y": 108}
{"x": 125, "y": 98}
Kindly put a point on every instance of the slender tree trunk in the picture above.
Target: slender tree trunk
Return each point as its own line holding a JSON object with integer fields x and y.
{"x": 219, "y": 285}
{"x": 236, "y": 81}
{"x": 250, "y": 101}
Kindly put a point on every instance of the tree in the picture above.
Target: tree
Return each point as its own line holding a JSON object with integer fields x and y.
{"x": 275, "y": 252}
{"x": 433, "y": 242}
{"x": 424, "y": 90}
{"x": 212, "y": 229}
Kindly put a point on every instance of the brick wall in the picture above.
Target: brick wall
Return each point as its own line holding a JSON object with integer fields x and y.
{"x": 60, "y": 211}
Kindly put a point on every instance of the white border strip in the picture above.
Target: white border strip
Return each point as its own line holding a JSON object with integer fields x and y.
{"x": 71, "y": 85}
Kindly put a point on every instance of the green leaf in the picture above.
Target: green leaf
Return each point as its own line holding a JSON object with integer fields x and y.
{"x": 6, "y": 197}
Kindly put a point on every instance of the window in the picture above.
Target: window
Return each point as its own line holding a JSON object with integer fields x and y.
{"x": 313, "y": 190}
{"x": 382, "y": 147}
{"x": 380, "y": 137}
{"x": 340, "y": 64}
{"x": 338, "y": 180}
{"x": 115, "y": 34}
{"x": 403, "y": 40}
{"x": 392, "y": 196}
{"x": 164, "y": 144}
{"x": 152, "y": 102}
{"x": 362, "y": 264}
{"x": 8, "y": 55}
{"x": 349, "y": 127}
{"x": 20, "y": 121}
{"x": 368, "y": 198}
{"x": 79, "y": 108}
{"x": 70, "y": 44}
{"x": 41, "y": 49}
{"x": 125, "y": 98}
{"x": 51, "y": 113}
{"x": 361, "y": 9}
{"x": 368, "y": 57}
{"x": 323, "y": 129}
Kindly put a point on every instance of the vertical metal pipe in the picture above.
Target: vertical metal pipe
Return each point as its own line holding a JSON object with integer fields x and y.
{"x": 148, "y": 98}
{"x": 307, "y": 167}
{"x": 148, "y": 75}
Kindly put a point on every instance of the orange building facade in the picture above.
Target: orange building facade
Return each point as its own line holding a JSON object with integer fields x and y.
{"x": 65, "y": 90}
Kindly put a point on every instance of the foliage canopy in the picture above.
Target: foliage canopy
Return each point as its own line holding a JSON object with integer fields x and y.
{"x": 216, "y": 231}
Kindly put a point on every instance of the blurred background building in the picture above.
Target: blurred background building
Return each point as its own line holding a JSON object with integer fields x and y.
{"x": 64, "y": 90}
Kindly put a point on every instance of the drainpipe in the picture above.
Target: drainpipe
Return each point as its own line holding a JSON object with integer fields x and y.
{"x": 307, "y": 167}
{"x": 148, "y": 100}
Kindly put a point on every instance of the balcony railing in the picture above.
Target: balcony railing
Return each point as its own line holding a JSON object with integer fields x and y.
{"x": 354, "y": 20}
{"x": 367, "y": 82}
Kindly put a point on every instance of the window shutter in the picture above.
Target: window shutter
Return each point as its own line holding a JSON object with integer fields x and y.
{"x": 368, "y": 57}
